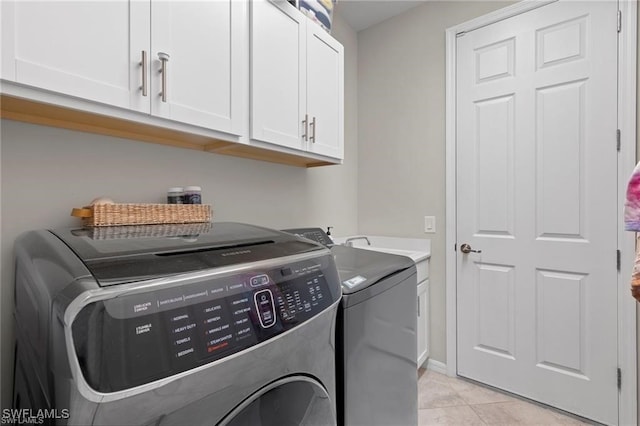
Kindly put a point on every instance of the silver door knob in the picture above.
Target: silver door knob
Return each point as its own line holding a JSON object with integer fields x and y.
{"x": 466, "y": 248}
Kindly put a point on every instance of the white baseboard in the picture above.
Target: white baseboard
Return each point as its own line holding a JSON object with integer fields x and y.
{"x": 437, "y": 366}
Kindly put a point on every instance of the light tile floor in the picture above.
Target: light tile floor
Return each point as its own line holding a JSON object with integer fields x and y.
{"x": 444, "y": 400}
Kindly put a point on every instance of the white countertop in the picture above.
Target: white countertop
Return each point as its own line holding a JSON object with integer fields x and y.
{"x": 417, "y": 249}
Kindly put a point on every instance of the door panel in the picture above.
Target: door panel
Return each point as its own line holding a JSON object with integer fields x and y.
{"x": 278, "y": 70}
{"x": 494, "y": 166}
{"x": 560, "y": 158}
{"x": 495, "y": 61}
{"x": 560, "y": 326}
{"x": 561, "y": 43}
{"x": 495, "y": 315}
{"x": 537, "y": 175}
{"x": 91, "y": 50}
{"x": 203, "y": 42}
{"x": 325, "y": 72}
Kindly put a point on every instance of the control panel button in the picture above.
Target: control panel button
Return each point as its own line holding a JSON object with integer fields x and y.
{"x": 286, "y": 272}
{"x": 265, "y": 307}
{"x": 259, "y": 280}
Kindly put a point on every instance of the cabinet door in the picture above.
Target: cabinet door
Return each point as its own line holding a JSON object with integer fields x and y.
{"x": 90, "y": 50}
{"x": 278, "y": 49}
{"x": 203, "y": 80}
{"x": 423, "y": 322}
{"x": 325, "y": 92}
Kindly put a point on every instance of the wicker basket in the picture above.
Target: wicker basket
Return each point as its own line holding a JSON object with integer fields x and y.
{"x": 142, "y": 214}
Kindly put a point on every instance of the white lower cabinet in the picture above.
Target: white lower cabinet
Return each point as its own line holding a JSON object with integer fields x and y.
{"x": 423, "y": 313}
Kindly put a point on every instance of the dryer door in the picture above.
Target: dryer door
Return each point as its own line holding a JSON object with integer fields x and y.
{"x": 294, "y": 400}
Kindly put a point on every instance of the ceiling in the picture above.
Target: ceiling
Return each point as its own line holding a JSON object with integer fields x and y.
{"x": 361, "y": 14}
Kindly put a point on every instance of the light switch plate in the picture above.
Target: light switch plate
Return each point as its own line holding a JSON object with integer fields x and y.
{"x": 430, "y": 224}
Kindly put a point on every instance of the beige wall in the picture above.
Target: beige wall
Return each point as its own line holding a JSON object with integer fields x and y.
{"x": 47, "y": 171}
{"x": 401, "y": 132}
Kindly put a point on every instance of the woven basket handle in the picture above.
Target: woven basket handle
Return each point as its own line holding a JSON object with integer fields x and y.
{"x": 83, "y": 212}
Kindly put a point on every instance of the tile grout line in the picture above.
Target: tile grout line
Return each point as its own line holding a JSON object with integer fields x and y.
{"x": 478, "y": 414}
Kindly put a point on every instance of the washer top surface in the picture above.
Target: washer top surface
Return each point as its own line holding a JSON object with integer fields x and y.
{"x": 359, "y": 269}
{"x": 117, "y": 255}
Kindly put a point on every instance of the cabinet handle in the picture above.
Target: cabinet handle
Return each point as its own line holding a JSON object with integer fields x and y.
{"x": 305, "y": 123}
{"x": 164, "y": 58}
{"x": 144, "y": 73}
{"x": 418, "y": 305}
{"x": 312, "y": 138}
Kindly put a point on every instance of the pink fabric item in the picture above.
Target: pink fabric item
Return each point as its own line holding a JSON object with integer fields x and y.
{"x": 632, "y": 223}
{"x": 632, "y": 203}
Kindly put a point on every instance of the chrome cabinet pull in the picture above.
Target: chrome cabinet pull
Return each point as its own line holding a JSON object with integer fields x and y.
{"x": 164, "y": 58}
{"x": 312, "y": 138}
{"x": 305, "y": 123}
{"x": 144, "y": 73}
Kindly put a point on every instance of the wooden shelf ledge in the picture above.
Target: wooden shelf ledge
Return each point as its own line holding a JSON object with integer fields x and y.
{"x": 28, "y": 111}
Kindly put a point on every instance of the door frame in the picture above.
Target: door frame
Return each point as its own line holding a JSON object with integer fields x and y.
{"x": 627, "y": 52}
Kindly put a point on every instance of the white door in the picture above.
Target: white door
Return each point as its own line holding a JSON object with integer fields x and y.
{"x": 325, "y": 92}
{"x": 536, "y": 194}
{"x": 278, "y": 64}
{"x": 92, "y": 50}
{"x": 203, "y": 46}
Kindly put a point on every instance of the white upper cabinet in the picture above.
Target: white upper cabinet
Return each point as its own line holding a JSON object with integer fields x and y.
{"x": 278, "y": 96}
{"x": 251, "y": 78}
{"x": 202, "y": 43}
{"x": 91, "y": 50}
{"x": 297, "y": 78}
{"x": 325, "y": 93}
{"x": 109, "y": 52}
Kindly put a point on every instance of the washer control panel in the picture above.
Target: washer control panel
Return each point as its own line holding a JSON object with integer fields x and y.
{"x": 137, "y": 338}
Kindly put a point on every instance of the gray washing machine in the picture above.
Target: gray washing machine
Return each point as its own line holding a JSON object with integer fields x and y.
{"x": 376, "y": 336}
{"x": 377, "y": 322}
{"x": 204, "y": 324}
